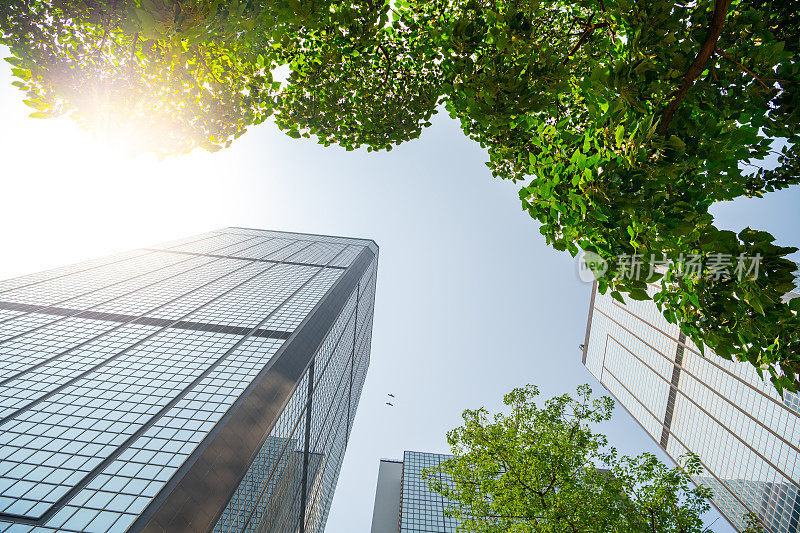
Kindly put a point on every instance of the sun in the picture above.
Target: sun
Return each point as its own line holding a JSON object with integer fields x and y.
{"x": 86, "y": 194}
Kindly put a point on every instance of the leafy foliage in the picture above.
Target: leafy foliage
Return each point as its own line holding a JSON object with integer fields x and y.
{"x": 360, "y": 80}
{"x": 623, "y": 121}
{"x": 754, "y": 525}
{"x": 626, "y": 121}
{"x": 574, "y": 96}
{"x": 170, "y": 76}
{"x": 545, "y": 470}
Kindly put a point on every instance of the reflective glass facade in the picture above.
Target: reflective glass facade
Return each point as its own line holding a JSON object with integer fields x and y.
{"x": 420, "y": 509}
{"x": 203, "y": 384}
{"x": 746, "y": 435}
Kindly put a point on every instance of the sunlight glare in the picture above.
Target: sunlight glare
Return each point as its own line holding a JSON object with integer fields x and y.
{"x": 81, "y": 195}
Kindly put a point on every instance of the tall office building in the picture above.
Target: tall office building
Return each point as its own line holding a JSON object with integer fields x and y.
{"x": 746, "y": 435}
{"x": 207, "y": 384}
{"x": 403, "y": 501}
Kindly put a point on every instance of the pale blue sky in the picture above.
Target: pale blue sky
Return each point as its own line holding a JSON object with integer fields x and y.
{"x": 471, "y": 302}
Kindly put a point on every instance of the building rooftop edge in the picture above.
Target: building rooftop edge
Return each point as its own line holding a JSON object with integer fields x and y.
{"x": 309, "y": 234}
{"x": 589, "y": 324}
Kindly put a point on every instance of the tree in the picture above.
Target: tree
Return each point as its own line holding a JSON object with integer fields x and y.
{"x": 166, "y": 76}
{"x": 545, "y": 470}
{"x": 362, "y": 80}
{"x": 623, "y": 121}
{"x": 754, "y": 525}
{"x": 174, "y": 76}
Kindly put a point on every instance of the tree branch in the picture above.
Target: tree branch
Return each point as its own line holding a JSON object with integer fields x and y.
{"x": 133, "y": 46}
{"x": 202, "y": 59}
{"x": 508, "y": 468}
{"x": 697, "y": 66}
{"x": 745, "y": 69}
{"x": 584, "y": 36}
{"x": 133, "y": 54}
{"x": 107, "y": 24}
{"x": 389, "y": 63}
{"x": 605, "y": 17}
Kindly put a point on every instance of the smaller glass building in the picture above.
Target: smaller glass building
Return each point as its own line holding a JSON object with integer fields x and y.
{"x": 403, "y": 502}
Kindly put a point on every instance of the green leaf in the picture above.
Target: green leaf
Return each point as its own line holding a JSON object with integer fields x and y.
{"x": 147, "y": 21}
{"x": 676, "y": 144}
{"x": 638, "y": 294}
{"x": 21, "y": 73}
{"x": 618, "y": 133}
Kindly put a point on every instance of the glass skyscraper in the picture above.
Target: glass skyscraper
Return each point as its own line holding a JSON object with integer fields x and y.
{"x": 746, "y": 435}
{"x": 207, "y": 384}
{"x": 403, "y": 501}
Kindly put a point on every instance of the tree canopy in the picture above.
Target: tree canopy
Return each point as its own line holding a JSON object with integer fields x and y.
{"x": 622, "y": 120}
{"x": 545, "y": 470}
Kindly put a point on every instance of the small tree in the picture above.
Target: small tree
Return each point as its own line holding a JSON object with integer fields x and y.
{"x": 545, "y": 470}
{"x": 754, "y": 525}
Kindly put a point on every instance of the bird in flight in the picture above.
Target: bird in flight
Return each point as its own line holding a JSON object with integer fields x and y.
{"x": 387, "y": 403}
{"x": 392, "y": 395}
